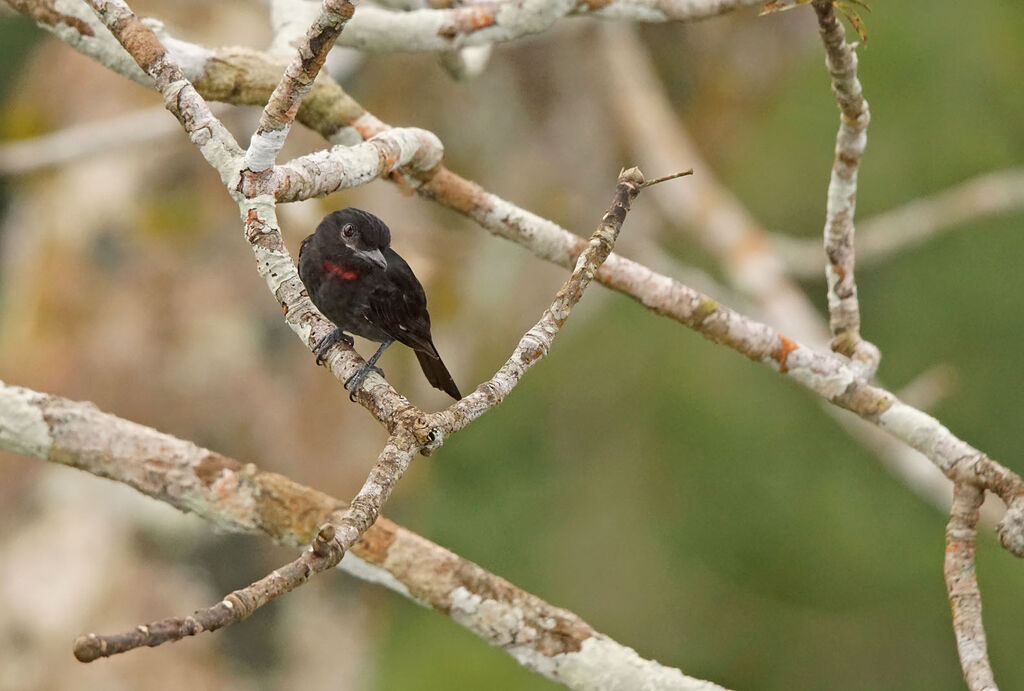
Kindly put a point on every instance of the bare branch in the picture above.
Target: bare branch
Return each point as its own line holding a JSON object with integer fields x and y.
{"x": 87, "y": 139}
{"x": 715, "y": 218}
{"x": 843, "y": 307}
{"x": 426, "y": 27}
{"x": 704, "y": 208}
{"x": 884, "y": 236}
{"x": 215, "y": 143}
{"x": 962, "y": 586}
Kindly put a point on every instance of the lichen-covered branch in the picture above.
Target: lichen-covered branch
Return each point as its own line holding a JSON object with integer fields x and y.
{"x": 410, "y": 434}
{"x": 246, "y": 76}
{"x": 627, "y": 10}
{"x": 279, "y": 112}
{"x": 257, "y": 190}
{"x": 962, "y": 586}
{"x": 239, "y": 497}
{"x": 326, "y": 171}
{"x": 446, "y": 27}
{"x": 843, "y": 307}
{"x": 712, "y": 216}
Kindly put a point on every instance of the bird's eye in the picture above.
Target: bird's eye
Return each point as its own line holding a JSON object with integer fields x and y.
{"x": 348, "y": 230}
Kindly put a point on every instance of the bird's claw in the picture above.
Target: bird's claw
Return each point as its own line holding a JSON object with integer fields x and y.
{"x": 353, "y": 383}
{"x": 328, "y": 341}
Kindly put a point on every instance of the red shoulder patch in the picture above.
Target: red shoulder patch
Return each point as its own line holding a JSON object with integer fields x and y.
{"x": 341, "y": 273}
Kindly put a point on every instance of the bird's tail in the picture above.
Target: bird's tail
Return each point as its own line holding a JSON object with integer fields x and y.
{"x": 437, "y": 374}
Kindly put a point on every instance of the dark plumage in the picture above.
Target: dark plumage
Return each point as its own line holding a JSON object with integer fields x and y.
{"x": 363, "y": 286}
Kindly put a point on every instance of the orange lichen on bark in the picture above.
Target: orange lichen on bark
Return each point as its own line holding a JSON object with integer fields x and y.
{"x": 786, "y": 346}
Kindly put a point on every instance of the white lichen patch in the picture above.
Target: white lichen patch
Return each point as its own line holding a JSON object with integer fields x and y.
{"x": 499, "y": 623}
{"x": 926, "y": 434}
{"x": 22, "y": 426}
{"x": 601, "y": 663}
{"x": 275, "y": 267}
{"x": 264, "y": 147}
{"x": 828, "y": 383}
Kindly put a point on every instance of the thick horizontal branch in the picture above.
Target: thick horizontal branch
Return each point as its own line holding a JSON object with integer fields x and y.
{"x": 341, "y": 167}
{"x": 239, "y": 497}
{"x": 429, "y": 27}
{"x": 627, "y": 10}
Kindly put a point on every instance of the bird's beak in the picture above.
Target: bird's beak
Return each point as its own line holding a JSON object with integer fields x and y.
{"x": 375, "y": 256}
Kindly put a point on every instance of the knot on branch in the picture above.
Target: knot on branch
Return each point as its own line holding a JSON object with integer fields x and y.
{"x": 1011, "y": 528}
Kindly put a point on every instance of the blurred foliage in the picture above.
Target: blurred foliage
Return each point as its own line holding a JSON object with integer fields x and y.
{"x": 681, "y": 499}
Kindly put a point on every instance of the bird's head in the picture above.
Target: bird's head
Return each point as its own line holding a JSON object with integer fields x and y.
{"x": 360, "y": 231}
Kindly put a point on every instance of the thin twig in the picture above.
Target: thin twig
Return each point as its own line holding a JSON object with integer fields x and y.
{"x": 664, "y": 178}
{"x": 962, "y": 586}
{"x": 330, "y": 546}
{"x": 537, "y": 341}
{"x": 843, "y": 306}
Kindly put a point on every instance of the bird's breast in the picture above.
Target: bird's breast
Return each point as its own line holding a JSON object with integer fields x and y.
{"x": 339, "y": 271}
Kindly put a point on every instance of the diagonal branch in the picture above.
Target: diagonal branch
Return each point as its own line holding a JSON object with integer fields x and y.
{"x": 411, "y": 434}
{"x": 843, "y": 307}
{"x": 329, "y": 547}
{"x": 240, "y": 498}
{"x": 962, "y": 586}
{"x": 537, "y": 341}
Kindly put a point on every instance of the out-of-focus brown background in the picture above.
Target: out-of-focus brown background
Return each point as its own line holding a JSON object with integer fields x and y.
{"x": 683, "y": 500}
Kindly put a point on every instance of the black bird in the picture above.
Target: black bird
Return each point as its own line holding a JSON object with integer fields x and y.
{"x": 363, "y": 286}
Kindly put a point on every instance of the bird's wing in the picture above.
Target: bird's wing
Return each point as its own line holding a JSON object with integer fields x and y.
{"x": 397, "y": 306}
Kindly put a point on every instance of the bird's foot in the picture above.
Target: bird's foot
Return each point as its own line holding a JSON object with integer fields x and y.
{"x": 353, "y": 383}
{"x": 328, "y": 341}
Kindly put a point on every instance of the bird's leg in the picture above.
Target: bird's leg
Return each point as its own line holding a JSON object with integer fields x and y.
{"x": 329, "y": 340}
{"x": 356, "y": 380}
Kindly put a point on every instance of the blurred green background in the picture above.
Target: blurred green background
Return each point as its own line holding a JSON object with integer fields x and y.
{"x": 681, "y": 499}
